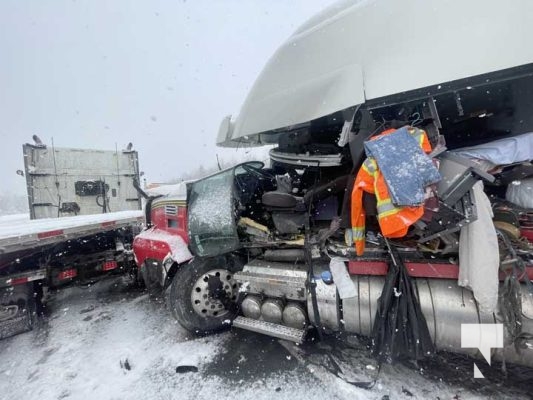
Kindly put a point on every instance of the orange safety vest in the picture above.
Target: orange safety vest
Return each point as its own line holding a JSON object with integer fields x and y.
{"x": 393, "y": 221}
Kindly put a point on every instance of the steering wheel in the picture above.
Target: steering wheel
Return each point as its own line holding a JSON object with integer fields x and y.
{"x": 257, "y": 172}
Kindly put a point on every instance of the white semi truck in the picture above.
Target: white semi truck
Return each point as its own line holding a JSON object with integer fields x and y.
{"x": 272, "y": 244}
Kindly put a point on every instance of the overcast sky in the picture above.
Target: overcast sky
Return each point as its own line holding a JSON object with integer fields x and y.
{"x": 161, "y": 74}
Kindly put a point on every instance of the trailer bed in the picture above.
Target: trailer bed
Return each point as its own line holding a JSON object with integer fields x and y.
{"x": 19, "y": 233}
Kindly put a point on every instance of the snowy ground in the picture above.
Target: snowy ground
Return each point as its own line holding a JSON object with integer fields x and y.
{"x": 109, "y": 341}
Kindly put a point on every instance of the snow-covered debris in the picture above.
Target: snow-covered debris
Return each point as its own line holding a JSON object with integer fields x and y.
{"x": 178, "y": 190}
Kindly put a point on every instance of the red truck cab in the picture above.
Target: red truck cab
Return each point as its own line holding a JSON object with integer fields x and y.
{"x": 162, "y": 246}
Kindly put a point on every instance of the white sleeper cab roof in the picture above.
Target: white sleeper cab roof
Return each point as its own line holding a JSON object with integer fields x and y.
{"x": 358, "y": 50}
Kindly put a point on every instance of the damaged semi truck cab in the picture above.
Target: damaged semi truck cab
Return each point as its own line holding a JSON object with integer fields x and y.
{"x": 274, "y": 245}
{"x": 162, "y": 246}
{"x": 261, "y": 250}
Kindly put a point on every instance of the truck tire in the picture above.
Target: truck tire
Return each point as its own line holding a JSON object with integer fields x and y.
{"x": 191, "y": 300}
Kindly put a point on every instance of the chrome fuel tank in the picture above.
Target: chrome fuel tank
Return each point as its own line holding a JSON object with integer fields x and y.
{"x": 445, "y": 305}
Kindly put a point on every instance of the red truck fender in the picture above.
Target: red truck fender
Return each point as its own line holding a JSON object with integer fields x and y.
{"x": 167, "y": 251}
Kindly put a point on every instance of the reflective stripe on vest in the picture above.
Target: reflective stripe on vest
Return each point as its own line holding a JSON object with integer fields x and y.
{"x": 386, "y": 208}
{"x": 358, "y": 234}
{"x": 418, "y": 135}
{"x": 370, "y": 166}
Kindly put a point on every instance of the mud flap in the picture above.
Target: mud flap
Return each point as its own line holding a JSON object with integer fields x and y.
{"x": 17, "y": 310}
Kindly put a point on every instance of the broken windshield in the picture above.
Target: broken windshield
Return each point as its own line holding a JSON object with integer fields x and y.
{"x": 211, "y": 215}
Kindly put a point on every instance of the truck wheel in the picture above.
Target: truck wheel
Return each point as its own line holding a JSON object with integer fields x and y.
{"x": 203, "y": 294}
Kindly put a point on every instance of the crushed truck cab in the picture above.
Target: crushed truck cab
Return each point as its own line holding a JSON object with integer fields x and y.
{"x": 162, "y": 246}
{"x": 389, "y": 207}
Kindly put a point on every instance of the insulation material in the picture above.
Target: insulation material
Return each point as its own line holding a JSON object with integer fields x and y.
{"x": 479, "y": 257}
{"x": 521, "y": 193}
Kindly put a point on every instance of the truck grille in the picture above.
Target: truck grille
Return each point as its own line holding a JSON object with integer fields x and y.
{"x": 171, "y": 210}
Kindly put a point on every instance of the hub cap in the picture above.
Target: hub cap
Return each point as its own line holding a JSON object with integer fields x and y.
{"x": 203, "y": 301}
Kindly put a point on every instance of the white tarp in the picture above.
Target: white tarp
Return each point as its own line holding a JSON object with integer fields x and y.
{"x": 503, "y": 151}
{"x": 479, "y": 257}
{"x": 366, "y": 49}
{"x": 342, "y": 279}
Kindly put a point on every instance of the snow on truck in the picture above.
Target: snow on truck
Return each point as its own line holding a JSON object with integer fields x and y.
{"x": 162, "y": 245}
{"x": 398, "y": 200}
{"x": 72, "y": 236}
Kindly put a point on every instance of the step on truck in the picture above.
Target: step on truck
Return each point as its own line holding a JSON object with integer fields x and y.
{"x": 317, "y": 240}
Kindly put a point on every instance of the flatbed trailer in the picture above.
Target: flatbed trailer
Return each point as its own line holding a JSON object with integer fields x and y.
{"x": 51, "y": 253}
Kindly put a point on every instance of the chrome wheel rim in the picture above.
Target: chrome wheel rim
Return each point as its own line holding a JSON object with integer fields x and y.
{"x": 203, "y": 303}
